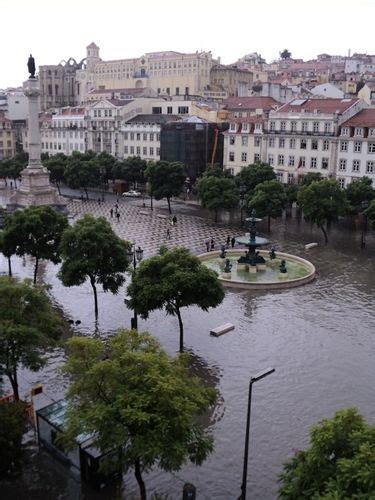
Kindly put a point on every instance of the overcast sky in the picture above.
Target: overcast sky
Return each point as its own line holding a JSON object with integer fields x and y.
{"x": 54, "y": 30}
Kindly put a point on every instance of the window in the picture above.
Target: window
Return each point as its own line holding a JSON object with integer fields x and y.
{"x": 316, "y": 127}
{"x": 281, "y": 142}
{"x": 293, "y": 126}
{"x": 314, "y": 144}
{"x": 231, "y": 156}
{"x": 158, "y": 137}
{"x": 138, "y": 137}
{"x": 371, "y": 132}
{"x": 343, "y": 145}
{"x": 324, "y": 163}
{"x": 183, "y": 110}
{"x": 270, "y": 160}
{"x": 151, "y": 151}
{"x": 292, "y": 143}
{"x": 271, "y": 142}
{"x": 272, "y": 126}
{"x": 145, "y": 151}
{"x": 257, "y": 142}
{"x": 138, "y": 150}
{"x": 243, "y": 156}
{"x": 232, "y": 140}
{"x": 325, "y": 145}
{"x": 245, "y": 140}
{"x": 168, "y": 90}
{"x": 232, "y": 127}
{"x": 126, "y": 150}
{"x": 341, "y": 182}
{"x": 256, "y": 157}
{"x": 304, "y": 126}
{"x": 357, "y": 146}
{"x": 280, "y": 159}
{"x": 327, "y": 127}
{"x": 371, "y": 147}
{"x": 151, "y": 137}
{"x": 313, "y": 163}
{"x": 356, "y": 165}
{"x": 177, "y": 90}
{"x": 169, "y": 110}
{"x": 291, "y": 161}
{"x": 145, "y": 137}
{"x": 358, "y": 131}
{"x": 158, "y": 151}
{"x": 342, "y": 164}
{"x": 132, "y": 136}
{"x": 282, "y": 126}
{"x": 245, "y": 127}
{"x": 279, "y": 176}
{"x": 156, "y": 110}
{"x": 131, "y": 150}
{"x": 290, "y": 178}
{"x": 344, "y": 131}
{"x": 370, "y": 167}
{"x": 303, "y": 144}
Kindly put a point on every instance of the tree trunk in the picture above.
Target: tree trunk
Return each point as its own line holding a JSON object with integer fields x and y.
{"x": 36, "y": 269}
{"x": 325, "y": 234}
{"x": 181, "y": 329}
{"x": 152, "y": 207}
{"x": 169, "y": 205}
{"x": 9, "y": 267}
{"x": 215, "y": 214}
{"x": 269, "y": 223}
{"x": 14, "y": 383}
{"x": 138, "y": 476}
{"x": 87, "y": 194}
{"x": 58, "y": 188}
{"x": 92, "y": 281}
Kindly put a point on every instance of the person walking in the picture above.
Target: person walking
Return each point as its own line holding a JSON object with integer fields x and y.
{"x": 118, "y": 216}
{"x": 212, "y": 244}
{"x": 111, "y": 212}
{"x": 207, "y": 241}
{"x": 168, "y": 234}
{"x": 174, "y": 220}
{"x": 228, "y": 240}
{"x": 233, "y": 241}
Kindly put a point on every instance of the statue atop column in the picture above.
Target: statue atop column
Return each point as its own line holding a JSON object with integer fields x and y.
{"x": 31, "y": 66}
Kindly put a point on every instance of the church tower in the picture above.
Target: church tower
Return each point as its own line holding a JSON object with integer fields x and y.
{"x": 92, "y": 56}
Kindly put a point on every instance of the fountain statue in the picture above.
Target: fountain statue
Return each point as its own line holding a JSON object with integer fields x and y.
{"x": 252, "y": 242}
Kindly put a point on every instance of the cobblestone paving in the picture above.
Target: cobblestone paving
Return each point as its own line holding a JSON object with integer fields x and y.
{"x": 150, "y": 230}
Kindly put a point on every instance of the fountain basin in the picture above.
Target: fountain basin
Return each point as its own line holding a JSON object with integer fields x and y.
{"x": 300, "y": 271}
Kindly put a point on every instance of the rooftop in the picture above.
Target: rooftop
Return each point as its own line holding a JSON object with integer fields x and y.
{"x": 159, "y": 119}
{"x": 246, "y": 103}
{"x": 329, "y": 105}
{"x": 365, "y": 118}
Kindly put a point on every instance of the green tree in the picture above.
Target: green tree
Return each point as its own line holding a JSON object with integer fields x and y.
{"x": 285, "y": 54}
{"x": 173, "y": 279}
{"x": 27, "y": 326}
{"x": 7, "y": 249}
{"x": 310, "y": 177}
{"x": 370, "y": 213}
{"x": 56, "y": 165}
{"x": 217, "y": 193}
{"x": 322, "y": 202}
{"x": 269, "y": 200}
{"x": 90, "y": 249}
{"x": 166, "y": 179}
{"x": 82, "y": 173}
{"x": 131, "y": 396}
{"x": 359, "y": 192}
{"x": 132, "y": 170}
{"x": 35, "y": 231}
{"x": 12, "y": 428}
{"x": 340, "y": 463}
{"x": 255, "y": 174}
{"x": 291, "y": 193}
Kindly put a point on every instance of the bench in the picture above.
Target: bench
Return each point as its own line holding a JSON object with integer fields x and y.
{"x": 143, "y": 212}
{"x": 161, "y": 216}
{"x": 220, "y": 330}
{"x": 310, "y": 245}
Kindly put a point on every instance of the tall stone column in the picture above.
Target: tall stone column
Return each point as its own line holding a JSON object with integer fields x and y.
{"x": 35, "y": 188}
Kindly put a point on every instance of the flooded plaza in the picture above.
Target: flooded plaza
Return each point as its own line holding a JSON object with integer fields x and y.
{"x": 320, "y": 338}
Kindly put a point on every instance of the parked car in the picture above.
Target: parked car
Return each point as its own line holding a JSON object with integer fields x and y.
{"x": 132, "y": 194}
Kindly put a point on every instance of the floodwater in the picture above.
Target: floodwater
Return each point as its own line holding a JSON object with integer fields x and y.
{"x": 320, "y": 338}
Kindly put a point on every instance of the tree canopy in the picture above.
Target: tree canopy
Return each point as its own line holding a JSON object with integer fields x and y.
{"x": 82, "y": 172}
{"x": 171, "y": 280}
{"x": 370, "y": 213}
{"x": 90, "y": 249}
{"x": 255, "y": 174}
{"x": 12, "y": 428}
{"x": 131, "y": 396}
{"x": 56, "y": 165}
{"x": 166, "y": 179}
{"x": 217, "y": 193}
{"x": 285, "y": 54}
{"x": 28, "y": 325}
{"x": 132, "y": 169}
{"x": 340, "y": 463}
{"x": 358, "y": 193}
{"x": 35, "y": 231}
{"x": 268, "y": 199}
{"x": 322, "y": 202}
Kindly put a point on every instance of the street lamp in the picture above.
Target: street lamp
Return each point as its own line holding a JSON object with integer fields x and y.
{"x": 242, "y": 196}
{"x": 257, "y": 377}
{"x": 102, "y": 176}
{"x": 364, "y": 205}
{"x": 134, "y": 255}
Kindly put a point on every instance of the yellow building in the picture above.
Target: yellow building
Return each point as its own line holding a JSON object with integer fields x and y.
{"x": 7, "y": 138}
{"x": 169, "y": 73}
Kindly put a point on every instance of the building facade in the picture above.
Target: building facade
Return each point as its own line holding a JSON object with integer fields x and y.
{"x": 64, "y": 132}
{"x": 7, "y": 138}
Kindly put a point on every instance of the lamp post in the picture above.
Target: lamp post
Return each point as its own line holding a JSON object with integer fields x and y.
{"x": 257, "y": 377}
{"x": 102, "y": 174}
{"x": 134, "y": 255}
{"x": 242, "y": 196}
{"x": 364, "y": 205}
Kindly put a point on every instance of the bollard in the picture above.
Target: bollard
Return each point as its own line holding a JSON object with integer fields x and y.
{"x": 189, "y": 492}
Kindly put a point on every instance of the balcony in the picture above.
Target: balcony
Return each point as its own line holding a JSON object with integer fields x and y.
{"x": 140, "y": 74}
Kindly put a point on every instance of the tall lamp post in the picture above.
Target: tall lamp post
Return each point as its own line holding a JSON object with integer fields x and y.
{"x": 257, "y": 377}
{"x": 364, "y": 205}
{"x": 242, "y": 196}
{"x": 134, "y": 255}
{"x": 102, "y": 175}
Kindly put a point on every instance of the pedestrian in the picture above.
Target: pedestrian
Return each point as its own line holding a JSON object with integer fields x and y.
{"x": 212, "y": 244}
{"x": 116, "y": 206}
{"x": 118, "y": 216}
{"x": 111, "y": 212}
{"x": 98, "y": 201}
{"x": 168, "y": 234}
{"x": 11, "y": 182}
{"x": 233, "y": 241}
{"x": 174, "y": 220}
{"x": 228, "y": 240}
{"x": 207, "y": 241}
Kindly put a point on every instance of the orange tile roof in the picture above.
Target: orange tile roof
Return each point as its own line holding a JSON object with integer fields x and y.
{"x": 365, "y": 118}
{"x": 319, "y": 105}
{"x": 248, "y": 103}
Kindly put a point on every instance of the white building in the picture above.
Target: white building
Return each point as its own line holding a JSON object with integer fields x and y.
{"x": 64, "y": 132}
{"x": 327, "y": 90}
{"x": 356, "y": 148}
